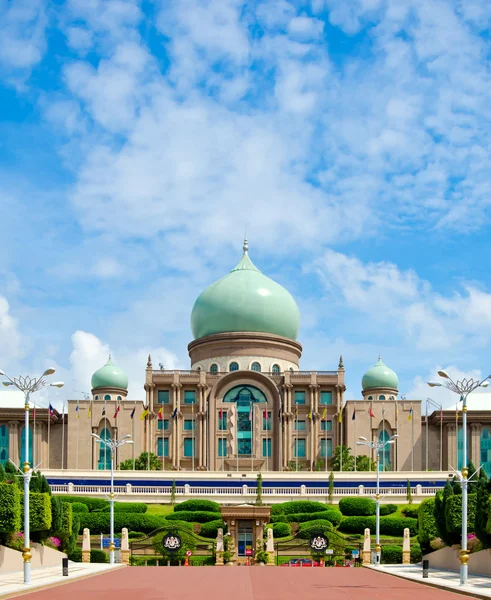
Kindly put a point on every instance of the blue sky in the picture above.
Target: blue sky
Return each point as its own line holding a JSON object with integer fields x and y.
{"x": 138, "y": 138}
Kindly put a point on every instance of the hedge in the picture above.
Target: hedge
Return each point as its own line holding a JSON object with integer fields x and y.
{"x": 196, "y": 516}
{"x": 75, "y": 555}
{"x": 92, "y": 504}
{"x": 301, "y": 506}
{"x": 280, "y": 530}
{"x": 99, "y": 522}
{"x": 328, "y": 514}
{"x": 453, "y": 513}
{"x": 98, "y": 556}
{"x": 426, "y": 523}
{"x": 355, "y": 507}
{"x": 279, "y": 518}
{"x": 129, "y": 507}
{"x": 210, "y": 529}
{"x": 416, "y": 554}
{"x": 197, "y": 505}
{"x": 39, "y": 511}
{"x": 388, "y": 525}
{"x": 392, "y": 555}
{"x": 411, "y": 510}
{"x": 314, "y": 527}
{"x": 10, "y": 517}
{"x": 388, "y": 509}
{"x": 67, "y": 519}
{"x": 78, "y": 507}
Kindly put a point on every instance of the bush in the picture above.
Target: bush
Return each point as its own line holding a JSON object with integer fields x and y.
{"x": 280, "y": 530}
{"x": 75, "y": 555}
{"x": 10, "y": 516}
{"x": 411, "y": 510}
{"x": 99, "y": 522}
{"x": 301, "y": 506}
{"x": 354, "y": 507}
{"x": 195, "y": 516}
{"x": 318, "y": 526}
{"x": 93, "y": 504}
{"x": 391, "y": 555}
{"x": 134, "y": 535}
{"x": 66, "y": 519}
{"x": 198, "y": 505}
{"x": 187, "y": 539}
{"x": 329, "y": 514}
{"x": 78, "y": 507}
{"x": 453, "y": 515}
{"x": 426, "y": 523}
{"x": 131, "y": 507}
{"x": 388, "y": 525}
{"x": 98, "y": 556}
{"x": 210, "y": 529}
{"x": 416, "y": 554}
{"x": 279, "y": 518}
{"x": 388, "y": 509}
{"x": 39, "y": 511}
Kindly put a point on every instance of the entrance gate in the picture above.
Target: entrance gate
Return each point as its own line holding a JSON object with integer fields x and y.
{"x": 297, "y": 547}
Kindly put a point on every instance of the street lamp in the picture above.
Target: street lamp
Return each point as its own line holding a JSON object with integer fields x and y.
{"x": 113, "y": 445}
{"x": 463, "y": 389}
{"x": 27, "y": 386}
{"x": 377, "y": 446}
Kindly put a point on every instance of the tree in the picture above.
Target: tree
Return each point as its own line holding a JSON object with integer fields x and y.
{"x": 472, "y": 485}
{"x": 259, "y": 490}
{"x": 409, "y": 494}
{"x": 348, "y": 459}
{"x": 142, "y": 463}
{"x": 483, "y": 509}
{"x": 3, "y": 475}
{"x": 331, "y": 487}
{"x": 364, "y": 463}
{"x": 173, "y": 490}
{"x": 440, "y": 517}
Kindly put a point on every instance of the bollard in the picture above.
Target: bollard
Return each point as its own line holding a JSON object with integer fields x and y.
{"x": 64, "y": 568}
{"x": 426, "y": 568}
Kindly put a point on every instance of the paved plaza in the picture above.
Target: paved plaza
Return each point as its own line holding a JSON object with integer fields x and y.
{"x": 243, "y": 583}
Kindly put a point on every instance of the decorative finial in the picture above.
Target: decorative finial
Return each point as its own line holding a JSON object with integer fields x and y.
{"x": 341, "y": 365}
{"x": 149, "y": 362}
{"x": 245, "y": 247}
{"x": 379, "y": 357}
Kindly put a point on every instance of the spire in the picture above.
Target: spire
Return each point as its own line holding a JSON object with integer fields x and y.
{"x": 341, "y": 365}
{"x": 110, "y": 360}
{"x": 245, "y": 263}
{"x": 245, "y": 247}
{"x": 149, "y": 362}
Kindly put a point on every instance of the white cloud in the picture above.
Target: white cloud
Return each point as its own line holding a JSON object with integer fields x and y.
{"x": 14, "y": 345}
{"x": 305, "y": 28}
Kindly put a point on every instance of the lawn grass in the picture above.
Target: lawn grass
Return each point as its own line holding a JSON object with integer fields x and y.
{"x": 160, "y": 509}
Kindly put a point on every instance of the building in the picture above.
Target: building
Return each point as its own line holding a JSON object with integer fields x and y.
{"x": 245, "y": 404}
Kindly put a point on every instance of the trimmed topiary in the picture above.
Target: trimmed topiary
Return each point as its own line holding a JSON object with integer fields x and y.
{"x": 280, "y": 530}
{"x": 301, "y": 506}
{"x": 93, "y": 504}
{"x": 356, "y": 507}
{"x": 130, "y": 507}
{"x": 10, "y": 512}
{"x": 198, "y": 505}
{"x": 310, "y": 528}
{"x": 392, "y": 555}
{"x": 328, "y": 514}
{"x": 78, "y": 507}
{"x": 427, "y": 530}
{"x": 388, "y": 525}
{"x": 388, "y": 509}
{"x": 210, "y": 529}
{"x": 196, "y": 516}
{"x": 98, "y": 556}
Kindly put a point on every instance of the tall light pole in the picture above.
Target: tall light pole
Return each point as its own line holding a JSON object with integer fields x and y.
{"x": 113, "y": 445}
{"x": 377, "y": 446}
{"x": 463, "y": 389}
{"x": 27, "y": 386}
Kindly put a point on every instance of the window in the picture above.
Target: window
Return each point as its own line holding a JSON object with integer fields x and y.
{"x": 214, "y": 368}
{"x": 276, "y": 369}
{"x": 299, "y": 397}
{"x": 104, "y": 452}
{"x": 326, "y": 425}
{"x": 266, "y": 420}
{"x": 4, "y": 444}
{"x": 163, "y": 397}
{"x": 326, "y": 398}
{"x": 381, "y": 397}
{"x": 299, "y": 448}
{"x": 188, "y": 447}
{"x": 485, "y": 450}
{"x": 119, "y": 398}
{"x": 107, "y": 397}
{"x": 460, "y": 446}
{"x": 189, "y": 396}
{"x": 384, "y": 460}
{"x": 165, "y": 444}
{"x": 234, "y": 366}
{"x": 188, "y": 425}
{"x": 256, "y": 367}
{"x": 267, "y": 448}
{"x": 326, "y": 448}
{"x": 96, "y": 398}
{"x": 291, "y": 369}
{"x": 370, "y": 397}
{"x": 222, "y": 447}
{"x": 222, "y": 420}
{"x": 23, "y": 445}
{"x": 247, "y": 393}
{"x": 163, "y": 424}
{"x": 300, "y": 425}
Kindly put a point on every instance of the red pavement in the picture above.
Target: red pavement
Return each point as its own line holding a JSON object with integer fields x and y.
{"x": 242, "y": 583}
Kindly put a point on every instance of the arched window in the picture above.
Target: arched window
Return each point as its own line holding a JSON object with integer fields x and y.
{"x": 247, "y": 393}
{"x": 381, "y": 397}
{"x": 104, "y": 452}
{"x": 486, "y": 450}
{"x": 4, "y": 444}
{"x": 96, "y": 398}
{"x": 119, "y": 398}
{"x": 370, "y": 397}
{"x": 23, "y": 446}
{"x": 234, "y": 366}
{"x": 276, "y": 369}
{"x": 107, "y": 397}
{"x": 291, "y": 369}
{"x": 255, "y": 366}
{"x": 214, "y": 368}
{"x": 384, "y": 462}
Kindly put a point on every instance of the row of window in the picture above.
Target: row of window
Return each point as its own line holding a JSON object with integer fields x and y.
{"x": 381, "y": 397}
{"x": 190, "y": 424}
{"x": 108, "y": 397}
{"x": 299, "y": 397}
{"x": 255, "y": 366}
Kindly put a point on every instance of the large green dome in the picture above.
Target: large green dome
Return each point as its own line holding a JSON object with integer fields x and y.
{"x": 110, "y": 376}
{"x": 380, "y": 376}
{"x": 245, "y": 300}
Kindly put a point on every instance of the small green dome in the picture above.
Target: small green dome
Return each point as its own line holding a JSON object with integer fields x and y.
{"x": 110, "y": 376}
{"x": 380, "y": 376}
{"x": 245, "y": 300}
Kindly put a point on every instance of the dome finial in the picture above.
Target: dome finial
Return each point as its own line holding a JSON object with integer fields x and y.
{"x": 245, "y": 247}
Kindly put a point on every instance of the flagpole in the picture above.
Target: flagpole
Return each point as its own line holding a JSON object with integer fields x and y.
{"x": 383, "y": 429}
{"x": 49, "y": 429}
{"x": 252, "y": 437}
{"x": 192, "y": 425}
{"x": 267, "y": 437}
{"x": 133, "y": 435}
{"x": 78, "y": 428}
{"x": 33, "y": 437}
{"x": 105, "y": 422}
{"x": 441, "y": 438}
{"x": 91, "y": 426}
{"x": 412, "y": 439}
{"x": 325, "y": 436}
{"x": 457, "y": 436}
{"x": 296, "y": 437}
{"x": 223, "y": 439}
{"x": 397, "y": 438}
{"x": 354, "y": 433}
{"x": 63, "y": 438}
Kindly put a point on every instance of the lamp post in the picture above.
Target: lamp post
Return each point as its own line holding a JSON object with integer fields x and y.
{"x": 113, "y": 445}
{"x": 463, "y": 389}
{"x": 28, "y": 386}
{"x": 377, "y": 446}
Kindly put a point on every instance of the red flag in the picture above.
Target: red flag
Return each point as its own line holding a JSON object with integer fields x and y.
{"x": 221, "y": 413}
{"x": 161, "y": 410}
{"x": 370, "y": 412}
{"x": 265, "y": 414}
{"x": 117, "y": 410}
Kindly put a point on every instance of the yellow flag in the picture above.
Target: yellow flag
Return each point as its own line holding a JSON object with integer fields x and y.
{"x": 340, "y": 416}
{"x": 144, "y": 414}
{"x": 324, "y": 414}
{"x": 89, "y": 412}
{"x": 310, "y": 415}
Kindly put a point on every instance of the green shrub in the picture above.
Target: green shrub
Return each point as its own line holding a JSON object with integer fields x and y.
{"x": 426, "y": 523}
{"x": 279, "y": 518}
{"x": 66, "y": 519}
{"x": 39, "y": 511}
{"x": 329, "y": 514}
{"x": 93, "y": 504}
{"x": 187, "y": 540}
{"x": 277, "y": 509}
{"x": 388, "y": 525}
{"x": 98, "y": 556}
{"x": 56, "y": 514}
{"x": 391, "y": 555}
{"x": 318, "y": 526}
{"x": 355, "y": 507}
{"x": 99, "y": 522}
{"x": 195, "y": 516}
{"x": 416, "y": 554}
{"x": 75, "y": 555}
{"x": 483, "y": 511}
{"x": 78, "y": 507}
{"x": 280, "y": 530}
{"x": 301, "y": 506}
{"x": 198, "y": 505}
{"x": 133, "y": 535}
{"x": 388, "y": 509}
{"x": 453, "y": 515}
{"x": 411, "y": 510}
{"x": 129, "y": 507}
{"x": 10, "y": 512}
{"x": 210, "y": 529}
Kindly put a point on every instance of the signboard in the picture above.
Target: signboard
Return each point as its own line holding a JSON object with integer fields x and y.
{"x": 355, "y": 553}
{"x": 329, "y": 551}
{"x": 171, "y": 542}
{"x": 106, "y": 542}
{"x": 319, "y": 543}
{"x": 248, "y": 552}
{"x": 188, "y": 553}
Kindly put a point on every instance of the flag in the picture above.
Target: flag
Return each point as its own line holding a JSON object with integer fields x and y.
{"x": 340, "y": 416}
{"x": 370, "y": 413}
{"x": 161, "y": 412}
{"x": 117, "y": 410}
{"x": 89, "y": 412}
{"x": 144, "y": 414}
{"x": 324, "y": 414}
{"x": 51, "y": 411}
{"x": 250, "y": 413}
{"x": 410, "y": 415}
{"x": 104, "y": 411}
{"x": 220, "y": 414}
{"x": 456, "y": 412}
{"x": 265, "y": 414}
{"x": 279, "y": 413}
{"x": 353, "y": 417}
{"x": 310, "y": 415}
{"x": 133, "y": 412}
{"x": 174, "y": 414}
{"x": 76, "y": 410}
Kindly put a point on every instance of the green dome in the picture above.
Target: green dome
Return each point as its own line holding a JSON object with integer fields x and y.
{"x": 245, "y": 300}
{"x": 110, "y": 376}
{"x": 380, "y": 376}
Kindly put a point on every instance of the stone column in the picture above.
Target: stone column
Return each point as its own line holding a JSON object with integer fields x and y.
{"x": 177, "y": 421}
{"x": 14, "y": 441}
{"x": 125, "y": 547}
{"x": 406, "y": 548}
{"x": 86, "y": 546}
{"x": 220, "y": 548}
{"x": 366, "y": 547}
{"x": 199, "y": 431}
{"x": 270, "y": 547}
